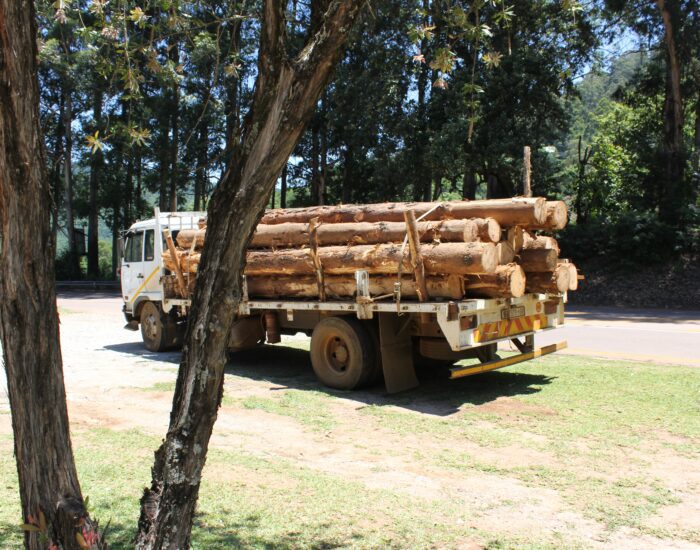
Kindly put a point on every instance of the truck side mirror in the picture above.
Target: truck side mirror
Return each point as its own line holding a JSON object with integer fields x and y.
{"x": 120, "y": 247}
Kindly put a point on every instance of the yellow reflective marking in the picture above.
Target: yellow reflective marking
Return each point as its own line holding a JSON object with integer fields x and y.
{"x": 459, "y": 372}
{"x": 139, "y": 289}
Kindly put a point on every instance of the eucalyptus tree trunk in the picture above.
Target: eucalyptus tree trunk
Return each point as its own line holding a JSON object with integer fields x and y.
{"x": 29, "y": 330}
{"x": 93, "y": 264}
{"x": 286, "y": 93}
{"x": 175, "y": 129}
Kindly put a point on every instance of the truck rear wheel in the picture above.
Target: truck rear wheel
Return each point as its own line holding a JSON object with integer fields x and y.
{"x": 343, "y": 353}
{"x": 158, "y": 330}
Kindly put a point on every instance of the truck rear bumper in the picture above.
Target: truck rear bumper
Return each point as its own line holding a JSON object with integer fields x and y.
{"x": 469, "y": 370}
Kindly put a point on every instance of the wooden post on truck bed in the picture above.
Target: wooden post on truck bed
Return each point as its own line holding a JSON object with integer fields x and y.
{"x": 313, "y": 242}
{"x": 416, "y": 260}
{"x": 527, "y": 172}
{"x": 178, "y": 271}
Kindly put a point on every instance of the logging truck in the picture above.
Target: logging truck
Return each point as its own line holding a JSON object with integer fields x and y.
{"x": 359, "y": 334}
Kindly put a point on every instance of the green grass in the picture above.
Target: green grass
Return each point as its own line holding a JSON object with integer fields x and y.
{"x": 598, "y": 425}
{"x": 252, "y": 502}
{"x": 311, "y": 408}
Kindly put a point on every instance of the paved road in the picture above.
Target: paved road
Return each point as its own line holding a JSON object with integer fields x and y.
{"x": 640, "y": 335}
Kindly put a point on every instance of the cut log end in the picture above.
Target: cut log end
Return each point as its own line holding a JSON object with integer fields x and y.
{"x": 554, "y": 282}
{"x": 507, "y": 282}
{"x": 488, "y": 230}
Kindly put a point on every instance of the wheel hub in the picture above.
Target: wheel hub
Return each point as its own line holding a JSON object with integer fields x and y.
{"x": 151, "y": 327}
{"x": 337, "y": 354}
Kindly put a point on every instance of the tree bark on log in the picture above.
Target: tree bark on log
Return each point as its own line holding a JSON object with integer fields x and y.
{"x": 540, "y": 242}
{"x": 538, "y": 260}
{"x": 554, "y": 282}
{"x": 505, "y": 251}
{"x": 286, "y": 235}
{"x": 344, "y": 286}
{"x": 286, "y": 93}
{"x": 452, "y": 258}
{"x": 507, "y": 212}
{"x": 507, "y": 282}
{"x": 29, "y": 327}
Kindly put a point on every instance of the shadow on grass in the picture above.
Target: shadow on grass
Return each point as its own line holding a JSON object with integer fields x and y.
{"x": 244, "y": 533}
{"x": 237, "y": 534}
{"x": 437, "y": 395}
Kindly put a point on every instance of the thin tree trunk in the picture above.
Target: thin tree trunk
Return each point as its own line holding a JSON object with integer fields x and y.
{"x": 348, "y": 174}
{"x": 673, "y": 118}
{"x": 93, "y": 265}
{"x": 232, "y": 97}
{"x": 175, "y": 129}
{"x": 29, "y": 327}
{"x": 285, "y": 96}
{"x": 314, "y": 160}
{"x": 323, "y": 173}
{"x": 139, "y": 182}
{"x": 283, "y": 187}
{"x": 74, "y": 259}
{"x": 163, "y": 163}
{"x": 201, "y": 174}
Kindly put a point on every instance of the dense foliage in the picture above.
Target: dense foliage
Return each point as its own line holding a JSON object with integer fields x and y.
{"x": 142, "y": 103}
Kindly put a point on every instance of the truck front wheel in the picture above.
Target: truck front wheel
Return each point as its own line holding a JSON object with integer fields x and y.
{"x": 158, "y": 330}
{"x": 343, "y": 353}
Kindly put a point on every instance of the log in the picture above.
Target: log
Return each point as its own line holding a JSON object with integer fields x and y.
{"x": 538, "y": 260}
{"x": 344, "y": 286}
{"x": 556, "y": 217}
{"x": 287, "y": 235}
{"x": 507, "y": 212}
{"x": 507, "y": 282}
{"x": 515, "y": 237}
{"x": 573, "y": 274}
{"x": 505, "y": 253}
{"x": 178, "y": 272}
{"x": 489, "y": 230}
{"x": 540, "y": 242}
{"x": 554, "y": 282}
{"x": 452, "y": 258}
{"x": 189, "y": 263}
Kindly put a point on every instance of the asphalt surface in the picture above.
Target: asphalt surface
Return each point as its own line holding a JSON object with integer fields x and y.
{"x": 660, "y": 336}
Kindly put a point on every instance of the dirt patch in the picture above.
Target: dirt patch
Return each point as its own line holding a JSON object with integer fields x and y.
{"x": 108, "y": 375}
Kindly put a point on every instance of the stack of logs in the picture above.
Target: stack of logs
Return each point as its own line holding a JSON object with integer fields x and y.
{"x": 447, "y": 250}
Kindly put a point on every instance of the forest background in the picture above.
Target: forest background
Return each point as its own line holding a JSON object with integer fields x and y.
{"x": 142, "y": 102}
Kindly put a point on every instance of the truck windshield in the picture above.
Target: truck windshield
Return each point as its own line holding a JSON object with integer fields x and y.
{"x": 134, "y": 248}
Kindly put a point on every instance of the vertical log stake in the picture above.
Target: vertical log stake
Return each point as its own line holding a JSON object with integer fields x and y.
{"x": 527, "y": 172}
{"x": 176, "y": 262}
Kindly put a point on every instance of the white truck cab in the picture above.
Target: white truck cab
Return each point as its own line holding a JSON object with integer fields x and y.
{"x": 142, "y": 275}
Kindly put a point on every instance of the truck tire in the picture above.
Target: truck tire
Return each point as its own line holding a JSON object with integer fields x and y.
{"x": 158, "y": 330}
{"x": 343, "y": 353}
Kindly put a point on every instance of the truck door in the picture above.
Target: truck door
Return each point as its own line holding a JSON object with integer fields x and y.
{"x": 151, "y": 266}
{"x": 132, "y": 267}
